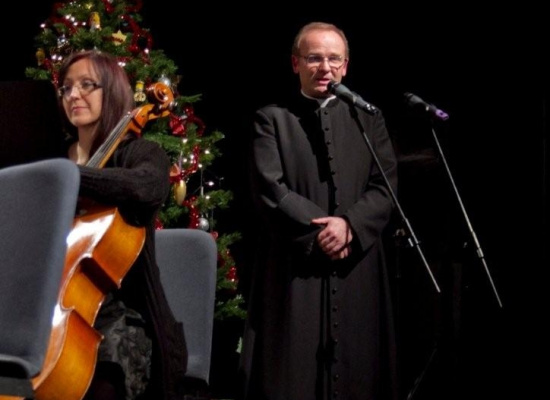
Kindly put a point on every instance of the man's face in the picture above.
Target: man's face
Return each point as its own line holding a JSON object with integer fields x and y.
{"x": 322, "y": 58}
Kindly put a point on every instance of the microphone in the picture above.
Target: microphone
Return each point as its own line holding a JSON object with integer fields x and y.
{"x": 354, "y": 99}
{"x": 416, "y": 102}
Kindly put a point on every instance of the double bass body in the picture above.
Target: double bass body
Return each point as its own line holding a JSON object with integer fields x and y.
{"x": 101, "y": 249}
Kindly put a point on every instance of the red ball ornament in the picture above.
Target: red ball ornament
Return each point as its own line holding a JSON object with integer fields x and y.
{"x": 232, "y": 274}
{"x": 177, "y": 126}
{"x": 134, "y": 49}
{"x": 158, "y": 224}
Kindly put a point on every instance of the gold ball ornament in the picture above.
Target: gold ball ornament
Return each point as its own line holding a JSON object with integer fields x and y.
{"x": 40, "y": 56}
{"x": 180, "y": 191}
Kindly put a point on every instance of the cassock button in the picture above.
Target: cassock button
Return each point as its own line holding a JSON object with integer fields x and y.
{"x": 336, "y": 377}
{"x": 334, "y": 290}
{"x": 333, "y": 172}
{"x": 335, "y": 324}
{"x": 328, "y": 141}
{"x": 335, "y": 308}
{"x": 335, "y": 394}
{"x": 330, "y": 158}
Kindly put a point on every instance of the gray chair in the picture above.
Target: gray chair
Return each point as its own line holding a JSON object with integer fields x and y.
{"x": 187, "y": 259}
{"x": 37, "y": 207}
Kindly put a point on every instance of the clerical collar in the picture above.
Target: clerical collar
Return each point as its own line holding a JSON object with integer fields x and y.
{"x": 322, "y": 102}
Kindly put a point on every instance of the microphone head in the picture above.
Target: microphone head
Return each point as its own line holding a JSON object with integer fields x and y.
{"x": 413, "y": 100}
{"x": 416, "y": 102}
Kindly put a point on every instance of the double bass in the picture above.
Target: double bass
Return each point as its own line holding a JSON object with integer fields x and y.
{"x": 101, "y": 248}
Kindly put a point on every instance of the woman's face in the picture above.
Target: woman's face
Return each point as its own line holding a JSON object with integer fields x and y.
{"x": 82, "y": 95}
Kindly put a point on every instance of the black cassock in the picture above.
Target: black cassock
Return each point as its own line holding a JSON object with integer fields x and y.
{"x": 319, "y": 329}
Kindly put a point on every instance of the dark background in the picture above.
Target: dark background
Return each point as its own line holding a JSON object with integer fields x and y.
{"x": 486, "y": 68}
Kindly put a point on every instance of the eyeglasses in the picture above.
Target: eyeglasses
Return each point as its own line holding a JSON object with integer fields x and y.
{"x": 84, "y": 88}
{"x": 315, "y": 60}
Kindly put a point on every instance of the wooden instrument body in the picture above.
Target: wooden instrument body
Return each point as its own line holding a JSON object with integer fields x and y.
{"x": 102, "y": 248}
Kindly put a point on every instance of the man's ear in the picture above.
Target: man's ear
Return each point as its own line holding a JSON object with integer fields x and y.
{"x": 345, "y": 68}
{"x": 294, "y": 61}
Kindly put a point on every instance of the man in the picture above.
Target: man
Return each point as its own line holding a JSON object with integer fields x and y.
{"x": 319, "y": 324}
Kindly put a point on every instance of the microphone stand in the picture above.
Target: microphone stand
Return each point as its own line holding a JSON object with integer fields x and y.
{"x": 479, "y": 252}
{"x": 412, "y": 240}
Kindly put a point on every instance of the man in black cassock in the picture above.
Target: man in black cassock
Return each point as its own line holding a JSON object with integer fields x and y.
{"x": 319, "y": 324}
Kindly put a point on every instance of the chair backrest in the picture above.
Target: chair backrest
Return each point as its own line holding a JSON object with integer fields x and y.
{"x": 37, "y": 207}
{"x": 187, "y": 259}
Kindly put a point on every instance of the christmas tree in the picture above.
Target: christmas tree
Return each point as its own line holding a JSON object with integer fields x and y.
{"x": 114, "y": 26}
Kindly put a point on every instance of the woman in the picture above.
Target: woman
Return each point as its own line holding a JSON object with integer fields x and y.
{"x": 143, "y": 353}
